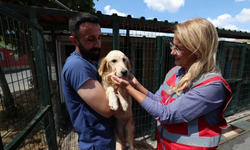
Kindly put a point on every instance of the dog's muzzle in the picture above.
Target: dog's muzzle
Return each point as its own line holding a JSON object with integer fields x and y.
{"x": 124, "y": 72}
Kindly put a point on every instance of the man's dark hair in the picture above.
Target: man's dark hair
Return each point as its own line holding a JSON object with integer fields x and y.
{"x": 76, "y": 21}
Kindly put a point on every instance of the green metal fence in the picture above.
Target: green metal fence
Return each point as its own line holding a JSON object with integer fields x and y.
{"x": 26, "y": 114}
{"x": 141, "y": 48}
{"x": 167, "y": 59}
{"x": 142, "y": 43}
{"x": 149, "y": 53}
{"x": 234, "y": 61}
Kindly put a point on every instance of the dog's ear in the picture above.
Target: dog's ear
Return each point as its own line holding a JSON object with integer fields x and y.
{"x": 102, "y": 66}
{"x": 128, "y": 64}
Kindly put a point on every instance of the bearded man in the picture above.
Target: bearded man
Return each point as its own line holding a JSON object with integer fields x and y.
{"x": 86, "y": 99}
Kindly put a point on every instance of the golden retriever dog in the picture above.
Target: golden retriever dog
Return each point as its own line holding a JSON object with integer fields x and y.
{"x": 120, "y": 100}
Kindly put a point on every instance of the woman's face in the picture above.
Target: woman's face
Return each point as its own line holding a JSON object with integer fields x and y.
{"x": 185, "y": 58}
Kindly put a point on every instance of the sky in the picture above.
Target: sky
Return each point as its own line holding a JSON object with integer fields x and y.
{"x": 228, "y": 14}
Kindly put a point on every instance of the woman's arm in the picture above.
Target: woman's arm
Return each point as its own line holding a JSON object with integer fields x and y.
{"x": 138, "y": 92}
{"x": 137, "y": 85}
{"x": 156, "y": 96}
{"x": 139, "y": 95}
{"x": 189, "y": 106}
{"x": 197, "y": 102}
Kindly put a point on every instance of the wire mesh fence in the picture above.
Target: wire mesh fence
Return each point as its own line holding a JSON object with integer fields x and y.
{"x": 29, "y": 100}
{"x": 246, "y": 70}
{"x": 149, "y": 53}
{"x": 139, "y": 43}
{"x": 24, "y": 108}
{"x": 244, "y": 96}
{"x": 234, "y": 62}
{"x": 18, "y": 100}
{"x": 36, "y": 139}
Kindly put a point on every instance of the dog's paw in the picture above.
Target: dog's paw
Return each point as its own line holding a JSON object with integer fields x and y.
{"x": 113, "y": 102}
{"x": 113, "y": 106}
{"x": 124, "y": 105}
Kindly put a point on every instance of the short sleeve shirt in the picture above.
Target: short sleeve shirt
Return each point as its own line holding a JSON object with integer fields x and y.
{"x": 94, "y": 130}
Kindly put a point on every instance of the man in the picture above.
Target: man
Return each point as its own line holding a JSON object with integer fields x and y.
{"x": 85, "y": 97}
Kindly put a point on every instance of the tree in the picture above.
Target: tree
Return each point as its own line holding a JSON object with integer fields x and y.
{"x": 8, "y": 100}
{"x": 76, "y": 5}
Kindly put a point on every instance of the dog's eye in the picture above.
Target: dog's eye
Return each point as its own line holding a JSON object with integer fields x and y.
{"x": 113, "y": 61}
{"x": 124, "y": 59}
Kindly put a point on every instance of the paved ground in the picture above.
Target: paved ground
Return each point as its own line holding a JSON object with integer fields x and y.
{"x": 241, "y": 142}
{"x": 70, "y": 142}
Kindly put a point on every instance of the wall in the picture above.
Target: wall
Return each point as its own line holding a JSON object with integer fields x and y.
{"x": 8, "y": 60}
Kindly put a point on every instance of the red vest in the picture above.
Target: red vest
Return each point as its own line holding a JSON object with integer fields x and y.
{"x": 194, "y": 135}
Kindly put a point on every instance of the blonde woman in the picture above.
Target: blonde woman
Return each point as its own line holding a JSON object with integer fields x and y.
{"x": 190, "y": 104}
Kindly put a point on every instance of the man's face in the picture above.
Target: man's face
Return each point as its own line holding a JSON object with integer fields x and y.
{"x": 93, "y": 54}
{"x": 89, "y": 42}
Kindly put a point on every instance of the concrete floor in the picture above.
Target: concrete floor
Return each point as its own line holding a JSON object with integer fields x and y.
{"x": 241, "y": 142}
{"x": 233, "y": 138}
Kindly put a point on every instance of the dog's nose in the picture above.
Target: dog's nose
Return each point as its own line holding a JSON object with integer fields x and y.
{"x": 124, "y": 72}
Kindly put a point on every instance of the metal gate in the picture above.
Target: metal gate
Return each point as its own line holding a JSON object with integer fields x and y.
{"x": 26, "y": 114}
{"x": 166, "y": 60}
{"x": 233, "y": 59}
{"x": 163, "y": 62}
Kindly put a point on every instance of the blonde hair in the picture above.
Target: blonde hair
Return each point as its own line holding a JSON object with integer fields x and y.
{"x": 200, "y": 37}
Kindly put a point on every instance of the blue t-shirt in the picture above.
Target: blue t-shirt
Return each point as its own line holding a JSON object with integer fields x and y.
{"x": 95, "y": 131}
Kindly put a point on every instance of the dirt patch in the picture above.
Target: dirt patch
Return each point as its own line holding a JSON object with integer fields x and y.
{"x": 27, "y": 105}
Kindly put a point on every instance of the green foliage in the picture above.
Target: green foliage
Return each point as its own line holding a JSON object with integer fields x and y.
{"x": 2, "y": 41}
{"x": 76, "y": 5}
{"x": 15, "y": 35}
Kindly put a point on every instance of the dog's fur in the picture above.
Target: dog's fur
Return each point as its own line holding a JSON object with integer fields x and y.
{"x": 124, "y": 126}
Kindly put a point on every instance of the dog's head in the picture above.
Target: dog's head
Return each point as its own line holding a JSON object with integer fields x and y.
{"x": 115, "y": 61}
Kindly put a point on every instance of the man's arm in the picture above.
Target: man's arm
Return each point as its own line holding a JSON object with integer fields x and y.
{"x": 94, "y": 95}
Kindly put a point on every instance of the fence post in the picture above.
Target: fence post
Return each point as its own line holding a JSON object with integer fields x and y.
{"x": 242, "y": 61}
{"x": 116, "y": 40}
{"x": 127, "y": 48}
{"x": 162, "y": 59}
{"x": 41, "y": 65}
{"x": 157, "y": 71}
{"x": 222, "y": 56}
{"x": 1, "y": 143}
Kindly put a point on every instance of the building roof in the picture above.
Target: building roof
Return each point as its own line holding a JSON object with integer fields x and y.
{"x": 61, "y": 16}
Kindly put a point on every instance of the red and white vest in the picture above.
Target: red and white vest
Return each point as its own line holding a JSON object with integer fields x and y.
{"x": 194, "y": 135}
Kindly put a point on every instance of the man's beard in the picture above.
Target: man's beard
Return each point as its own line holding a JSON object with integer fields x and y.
{"x": 88, "y": 54}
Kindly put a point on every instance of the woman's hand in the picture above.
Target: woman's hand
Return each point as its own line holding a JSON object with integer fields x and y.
{"x": 127, "y": 83}
{"x": 132, "y": 80}
{"x": 121, "y": 82}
